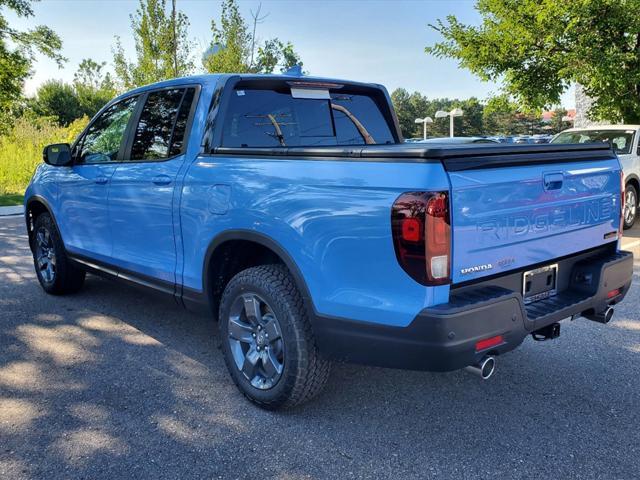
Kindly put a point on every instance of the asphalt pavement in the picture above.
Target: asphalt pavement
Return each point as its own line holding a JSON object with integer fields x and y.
{"x": 113, "y": 383}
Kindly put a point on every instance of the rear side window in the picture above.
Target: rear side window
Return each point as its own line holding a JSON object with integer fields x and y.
{"x": 161, "y": 129}
{"x": 274, "y": 118}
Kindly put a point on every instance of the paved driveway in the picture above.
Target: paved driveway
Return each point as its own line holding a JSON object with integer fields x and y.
{"x": 112, "y": 383}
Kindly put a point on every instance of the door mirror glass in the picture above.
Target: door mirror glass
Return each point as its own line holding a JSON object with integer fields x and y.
{"x": 58, "y": 154}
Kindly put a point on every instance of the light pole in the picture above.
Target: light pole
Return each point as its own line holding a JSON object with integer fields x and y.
{"x": 424, "y": 121}
{"x": 456, "y": 112}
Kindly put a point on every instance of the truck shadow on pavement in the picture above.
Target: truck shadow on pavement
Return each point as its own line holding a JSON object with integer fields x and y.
{"x": 115, "y": 383}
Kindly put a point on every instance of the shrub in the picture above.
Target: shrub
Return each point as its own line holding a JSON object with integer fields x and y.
{"x": 21, "y": 149}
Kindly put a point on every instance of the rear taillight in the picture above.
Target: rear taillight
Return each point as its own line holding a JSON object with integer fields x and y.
{"x": 421, "y": 230}
{"x": 621, "y": 228}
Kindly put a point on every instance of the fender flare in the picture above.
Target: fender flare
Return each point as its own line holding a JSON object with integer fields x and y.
{"x": 631, "y": 177}
{"x": 267, "y": 242}
{"x": 45, "y": 203}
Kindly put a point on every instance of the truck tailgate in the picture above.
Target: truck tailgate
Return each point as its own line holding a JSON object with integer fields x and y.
{"x": 509, "y": 216}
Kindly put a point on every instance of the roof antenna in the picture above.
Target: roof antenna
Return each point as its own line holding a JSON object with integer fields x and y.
{"x": 295, "y": 71}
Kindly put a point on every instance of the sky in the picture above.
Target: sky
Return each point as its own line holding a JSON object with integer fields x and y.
{"x": 379, "y": 41}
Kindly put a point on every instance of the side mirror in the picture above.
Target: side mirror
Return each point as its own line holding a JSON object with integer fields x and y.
{"x": 57, "y": 155}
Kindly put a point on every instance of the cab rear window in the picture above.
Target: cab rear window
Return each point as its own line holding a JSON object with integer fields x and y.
{"x": 275, "y": 118}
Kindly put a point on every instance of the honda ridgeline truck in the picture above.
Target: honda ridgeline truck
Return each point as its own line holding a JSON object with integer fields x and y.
{"x": 290, "y": 208}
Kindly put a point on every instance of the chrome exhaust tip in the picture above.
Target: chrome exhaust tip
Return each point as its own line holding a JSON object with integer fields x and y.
{"x": 484, "y": 368}
{"x": 602, "y": 317}
{"x": 608, "y": 314}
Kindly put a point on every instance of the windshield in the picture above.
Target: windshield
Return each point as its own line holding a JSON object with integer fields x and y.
{"x": 621, "y": 140}
{"x": 275, "y": 118}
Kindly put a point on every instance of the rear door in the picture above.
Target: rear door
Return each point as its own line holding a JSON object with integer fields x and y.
{"x": 141, "y": 196}
{"x": 512, "y": 217}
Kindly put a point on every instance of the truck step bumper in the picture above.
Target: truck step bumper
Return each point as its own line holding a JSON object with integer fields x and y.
{"x": 444, "y": 337}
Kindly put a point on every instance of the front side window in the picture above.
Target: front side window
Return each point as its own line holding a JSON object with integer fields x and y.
{"x": 161, "y": 128}
{"x": 275, "y": 118}
{"x": 620, "y": 140}
{"x": 103, "y": 139}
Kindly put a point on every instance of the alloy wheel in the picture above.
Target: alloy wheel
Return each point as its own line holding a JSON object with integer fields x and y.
{"x": 256, "y": 341}
{"x": 630, "y": 206}
{"x": 45, "y": 255}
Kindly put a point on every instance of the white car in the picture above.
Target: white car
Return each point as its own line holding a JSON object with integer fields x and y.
{"x": 625, "y": 140}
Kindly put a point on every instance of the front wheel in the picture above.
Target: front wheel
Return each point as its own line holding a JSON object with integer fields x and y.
{"x": 630, "y": 205}
{"x": 267, "y": 341}
{"x": 56, "y": 274}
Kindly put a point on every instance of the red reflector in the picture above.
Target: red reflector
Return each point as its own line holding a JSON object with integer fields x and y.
{"x": 411, "y": 229}
{"x": 488, "y": 343}
{"x": 613, "y": 293}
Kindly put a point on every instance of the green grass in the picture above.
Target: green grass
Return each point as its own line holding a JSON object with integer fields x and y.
{"x": 21, "y": 152}
{"x": 10, "y": 199}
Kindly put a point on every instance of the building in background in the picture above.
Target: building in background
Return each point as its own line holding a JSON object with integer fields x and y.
{"x": 583, "y": 104}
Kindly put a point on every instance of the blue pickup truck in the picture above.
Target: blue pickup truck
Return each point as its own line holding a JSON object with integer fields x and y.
{"x": 289, "y": 208}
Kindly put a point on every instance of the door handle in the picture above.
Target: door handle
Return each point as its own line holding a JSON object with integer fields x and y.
{"x": 553, "y": 181}
{"x": 161, "y": 180}
{"x": 101, "y": 180}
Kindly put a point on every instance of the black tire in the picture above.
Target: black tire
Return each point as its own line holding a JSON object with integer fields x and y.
{"x": 304, "y": 372}
{"x": 67, "y": 277}
{"x": 630, "y": 216}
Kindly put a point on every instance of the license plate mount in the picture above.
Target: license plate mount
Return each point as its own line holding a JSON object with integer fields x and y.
{"x": 540, "y": 283}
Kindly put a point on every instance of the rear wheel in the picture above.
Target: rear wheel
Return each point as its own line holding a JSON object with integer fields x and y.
{"x": 630, "y": 205}
{"x": 267, "y": 340}
{"x": 56, "y": 274}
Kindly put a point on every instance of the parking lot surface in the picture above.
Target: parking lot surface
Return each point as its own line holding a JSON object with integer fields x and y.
{"x": 114, "y": 383}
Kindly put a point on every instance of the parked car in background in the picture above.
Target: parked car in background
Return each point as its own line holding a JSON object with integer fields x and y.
{"x": 289, "y": 208}
{"x": 625, "y": 140}
{"x": 458, "y": 140}
{"x": 501, "y": 138}
{"x": 540, "y": 138}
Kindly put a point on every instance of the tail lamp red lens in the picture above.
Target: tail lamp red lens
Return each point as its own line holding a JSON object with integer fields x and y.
{"x": 613, "y": 293}
{"x": 421, "y": 228}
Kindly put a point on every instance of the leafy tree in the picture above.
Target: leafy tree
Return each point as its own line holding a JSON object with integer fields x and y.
{"x": 17, "y": 53}
{"x": 57, "y": 100}
{"x": 93, "y": 86}
{"x": 539, "y": 47}
{"x": 408, "y": 107}
{"x": 163, "y": 49}
{"x": 234, "y": 47}
{"x": 500, "y": 115}
{"x": 64, "y": 103}
{"x": 557, "y": 122}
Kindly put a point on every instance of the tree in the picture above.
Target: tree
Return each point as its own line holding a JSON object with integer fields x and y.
{"x": 234, "y": 47}
{"x": 537, "y": 48}
{"x": 57, "y": 100}
{"x": 92, "y": 86}
{"x": 163, "y": 49}
{"x": 500, "y": 115}
{"x": 17, "y": 54}
{"x": 408, "y": 107}
{"x": 64, "y": 103}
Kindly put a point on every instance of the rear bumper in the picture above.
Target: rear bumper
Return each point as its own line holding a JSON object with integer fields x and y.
{"x": 443, "y": 338}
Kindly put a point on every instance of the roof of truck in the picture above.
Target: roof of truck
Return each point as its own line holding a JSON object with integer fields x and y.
{"x": 213, "y": 77}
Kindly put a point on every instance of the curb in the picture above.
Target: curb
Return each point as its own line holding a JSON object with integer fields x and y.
{"x": 11, "y": 211}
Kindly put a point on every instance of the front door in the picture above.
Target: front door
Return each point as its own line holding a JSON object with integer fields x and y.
{"x": 141, "y": 196}
{"x": 83, "y": 187}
